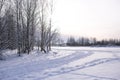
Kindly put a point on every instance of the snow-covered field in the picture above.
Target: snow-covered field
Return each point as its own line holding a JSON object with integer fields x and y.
{"x": 63, "y": 63}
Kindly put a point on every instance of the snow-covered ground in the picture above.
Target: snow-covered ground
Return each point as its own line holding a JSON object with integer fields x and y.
{"x": 63, "y": 63}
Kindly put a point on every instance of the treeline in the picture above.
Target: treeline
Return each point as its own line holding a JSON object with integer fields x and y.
{"x": 26, "y": 23}
{"x": 92, "y": 42}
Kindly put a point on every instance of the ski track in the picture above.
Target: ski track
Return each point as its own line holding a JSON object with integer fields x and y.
{"x": 94, "y": 77}
{"x": 28, "y": 66}
{"x": 34, "y": 66}
{"x": 64, "y": 70}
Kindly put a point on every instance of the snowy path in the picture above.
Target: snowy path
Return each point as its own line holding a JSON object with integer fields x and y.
{"x": 64, "y": 64}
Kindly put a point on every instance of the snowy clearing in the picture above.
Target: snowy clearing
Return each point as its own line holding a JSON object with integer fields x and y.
{"x": 63, "y": 63}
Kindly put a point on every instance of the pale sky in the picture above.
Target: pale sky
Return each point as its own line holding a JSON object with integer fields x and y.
{"x": 88, "y": 18}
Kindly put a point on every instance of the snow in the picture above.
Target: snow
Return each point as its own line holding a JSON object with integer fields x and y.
{"x": 63, "y": 63}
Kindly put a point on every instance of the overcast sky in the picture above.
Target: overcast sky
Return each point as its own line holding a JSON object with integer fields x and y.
{"x": 89, "y": 18}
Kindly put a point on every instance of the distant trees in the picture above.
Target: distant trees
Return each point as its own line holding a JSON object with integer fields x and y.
{"x": 92, "y": 42}
{"x": 71, "y": 41}
{"x": 80, "y": 42}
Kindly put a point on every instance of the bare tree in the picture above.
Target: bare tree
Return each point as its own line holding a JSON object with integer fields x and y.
{"x": 30, "y": 7}
{"x": 6, "y": 25}
{"x": 26, "y": 21}
{"x": 18, "y": 23}
{"x": 2, "y": 27}
{"x": 2, "y": 22}
{"x": 18, "y": 12}
{"x": 43, "y": 8}
{"x": 46, "y": 11}
{"x": 1, "y": 5}
{"x": 50, "y": 24}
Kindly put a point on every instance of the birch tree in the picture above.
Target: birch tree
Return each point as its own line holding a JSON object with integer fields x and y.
{"x": 30, "y": 9}
{"x": 43, "y": 8}
{"x": 18, "y": 12}
{"x": 50, "y": 25}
